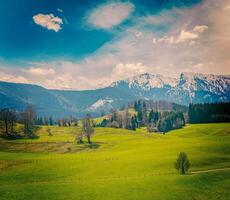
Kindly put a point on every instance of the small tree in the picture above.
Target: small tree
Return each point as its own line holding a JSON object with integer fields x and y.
{"x": 51, "y": 122}
{"x": 126, "y": 119}
{"x": 133, "y": 123}
{"x": 7, "y": 121}
{"x": 87, "y": 128}
{"x": 49, "y": 131}
{"x": 28, "y": 119}
{"x": 79, "y": 138}
{"x": 182, "y": 163}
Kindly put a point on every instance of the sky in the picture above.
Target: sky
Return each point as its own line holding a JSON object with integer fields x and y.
{"x": 87, "y": 44}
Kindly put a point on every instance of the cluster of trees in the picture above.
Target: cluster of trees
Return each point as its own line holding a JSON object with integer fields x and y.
{"x": 170, "y": 120}
{"x": 68, "y": 121}
{"x": 122, "y": 119}
{"x": 49, "y": 121}
{"x": 154, "y": 120}
{"x": 157, "y": 105}
{"x": 209, "y": 112}
{"x": 9, "y": 119}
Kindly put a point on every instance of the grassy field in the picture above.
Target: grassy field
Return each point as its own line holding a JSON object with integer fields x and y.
{"x": 120, "y": 165}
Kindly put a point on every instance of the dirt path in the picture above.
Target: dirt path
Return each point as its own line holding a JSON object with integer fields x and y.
{"x": 210, "y": 170}
{"x": 72, "y": 180}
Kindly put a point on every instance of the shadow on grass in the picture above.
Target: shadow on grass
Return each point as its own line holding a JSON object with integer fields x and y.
{"x": 21, "y": 135}
{"x": 93, "y": 145}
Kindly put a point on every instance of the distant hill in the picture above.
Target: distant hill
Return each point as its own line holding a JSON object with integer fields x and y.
{"x": 189, "y": 87}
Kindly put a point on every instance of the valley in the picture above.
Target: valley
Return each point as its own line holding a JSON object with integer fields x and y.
{"x": 188, "y": 88}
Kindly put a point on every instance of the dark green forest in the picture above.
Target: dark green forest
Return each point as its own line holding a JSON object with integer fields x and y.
{"x": 209, "y": 112}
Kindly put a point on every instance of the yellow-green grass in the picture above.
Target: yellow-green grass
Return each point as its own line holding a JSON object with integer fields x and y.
{"x": 98, "y": 120}
{"x": 121, "y": 164}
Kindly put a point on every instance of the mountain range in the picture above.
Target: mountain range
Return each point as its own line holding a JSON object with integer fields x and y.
{"x": 188, "y": 88}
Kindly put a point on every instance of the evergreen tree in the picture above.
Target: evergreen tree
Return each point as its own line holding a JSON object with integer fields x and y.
{"x": 133, "y": 123}
{"x": 151, "y": 116}
{"x": 51, "y": 121}
{"x": 114, "y": 115}
{"x": 140, "y": 118}
{"x": 209, "y": 112}
{"x": 135, "y": 106}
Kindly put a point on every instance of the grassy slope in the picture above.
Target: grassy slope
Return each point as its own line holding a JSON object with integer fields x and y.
{"x": 120, "y": 165}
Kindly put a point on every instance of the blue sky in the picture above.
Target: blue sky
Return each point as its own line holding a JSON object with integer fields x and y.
{"x": 21, "y": 38}
{"x": 95, "y": 42}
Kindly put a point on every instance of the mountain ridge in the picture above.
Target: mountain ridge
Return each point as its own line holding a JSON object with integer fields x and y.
{"x": 188, "y": 88}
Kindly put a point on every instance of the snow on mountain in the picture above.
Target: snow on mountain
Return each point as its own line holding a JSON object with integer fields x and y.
{"x": 188, "y": 81}
{"x": 187, "y": 88}
{"x": 100, "y": 103}
{"x": 196, "y": 87}
{"x": 192, "y": 82}
{"x": 147, "y": 81}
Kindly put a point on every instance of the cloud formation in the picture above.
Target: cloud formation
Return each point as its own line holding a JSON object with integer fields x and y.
{"x": 40, "y": 71}
{"x": 48, "y": 21}
{"x": 184, "y": 36}
{"x": 123, "y": 71}
{"x": 109, "y": 15}
{"x": 192, "y": 39}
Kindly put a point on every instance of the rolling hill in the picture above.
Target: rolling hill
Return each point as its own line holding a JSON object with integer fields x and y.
{"x": 120, "y": 164}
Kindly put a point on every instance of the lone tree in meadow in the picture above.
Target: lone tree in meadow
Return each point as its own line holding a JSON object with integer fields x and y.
{"x": 87, "y": 127}
{"x": 182, "y": 163}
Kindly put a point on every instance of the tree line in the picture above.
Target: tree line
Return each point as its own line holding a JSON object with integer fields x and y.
{"x": 154, "y": 119}
{"x": 49, "y": 121}
{"x": 209, "y": 112}
{"x": 9, "y": 119}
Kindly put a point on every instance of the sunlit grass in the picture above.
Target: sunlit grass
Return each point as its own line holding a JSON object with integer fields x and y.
{"x": 121, "y": 164}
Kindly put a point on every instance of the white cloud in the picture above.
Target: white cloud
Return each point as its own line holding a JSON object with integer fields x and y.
{"x": 109, "y": 15}
{"x": 60, "y": 10}
{"x": 184, "y": 36}
{"x": 122, "y": 71}
{"x": 132, "y": 51}
{"x": 48, "y": 21}
{"x": 200, "y": 29}
{"x": 227, "y": 7}
{"x": 40, "y": 71}
{"x": 12, "y": 78}
{"x": 199, "y": 66}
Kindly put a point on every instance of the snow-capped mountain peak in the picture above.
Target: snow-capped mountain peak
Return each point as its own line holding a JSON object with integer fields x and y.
{"x": 206, "y": 82}
{"x": 100, "y": 103}
{"x": 147, "y": 81}
{"x": 189, "y": 87}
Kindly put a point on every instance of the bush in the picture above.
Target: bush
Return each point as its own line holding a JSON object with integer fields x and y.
{"x": 151, "y": 128}
{"x": 113, "y": 124}
{"x": 104, "y": 123}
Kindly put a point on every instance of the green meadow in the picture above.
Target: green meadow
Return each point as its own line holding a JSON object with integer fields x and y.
{"x": 119, "y": 165}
